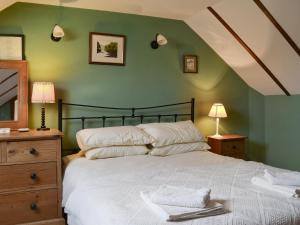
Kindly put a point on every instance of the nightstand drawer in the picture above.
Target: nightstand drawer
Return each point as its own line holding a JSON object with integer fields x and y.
{"x": 229, "y": 147}
{"x": 233, "y": 148}
{"x": 28, "y": 206}
{"x": 31, "y": 151}
{"x": 24, "y": 176}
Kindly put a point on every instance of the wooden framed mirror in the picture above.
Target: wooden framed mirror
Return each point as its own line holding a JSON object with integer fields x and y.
{"x": 13, "y": 94}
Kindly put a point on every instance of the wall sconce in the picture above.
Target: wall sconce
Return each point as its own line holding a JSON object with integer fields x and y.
{"x": 159, "y": 40}
{"x": 57, "y": 33}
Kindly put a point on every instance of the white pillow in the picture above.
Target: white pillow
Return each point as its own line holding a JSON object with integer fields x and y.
{"x": 172, "y": 133}
{"x": 116, "y": 151}
{"x": 179, "y": 148}
{"x": 111, "y": 136}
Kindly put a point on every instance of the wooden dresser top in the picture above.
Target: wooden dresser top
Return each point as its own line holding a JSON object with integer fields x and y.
{"x": 30, "y": 135}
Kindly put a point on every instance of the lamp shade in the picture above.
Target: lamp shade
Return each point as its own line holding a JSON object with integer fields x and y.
{"x": 58, "y": 32}
{"x": 43, "y": 92}
{"x": 161, "y": 40}
{"x": 217, "y": 111}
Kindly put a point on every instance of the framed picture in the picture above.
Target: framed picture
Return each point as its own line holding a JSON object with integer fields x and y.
{"x": 12, "y": 47}
{"x": 190, "y": 64}
{"x": 107, "y": 49}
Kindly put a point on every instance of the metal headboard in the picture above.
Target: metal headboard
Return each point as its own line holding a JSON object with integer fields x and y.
{"x": 132, "y": 113}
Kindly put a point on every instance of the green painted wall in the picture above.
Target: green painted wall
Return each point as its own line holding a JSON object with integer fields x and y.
{"x": 150, "y": 77}
{"x": 274, "y": 130}
{"x": 256, "y": 141}
{"x": 282, "y": 121}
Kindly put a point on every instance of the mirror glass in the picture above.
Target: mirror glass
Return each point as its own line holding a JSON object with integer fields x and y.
{"x": 9, "y": 94}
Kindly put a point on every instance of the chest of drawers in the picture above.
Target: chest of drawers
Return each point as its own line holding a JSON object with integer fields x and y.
{"x": 30, "y": 178}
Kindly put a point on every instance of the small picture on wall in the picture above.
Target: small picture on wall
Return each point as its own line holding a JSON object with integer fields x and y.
{"x": 190, "y": 64}
{"x": 12, "y": 47}
{"x": 107, "y": 49}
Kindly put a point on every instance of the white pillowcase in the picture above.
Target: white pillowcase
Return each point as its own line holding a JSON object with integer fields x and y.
{"x": 111, "y": 136}
{"x": 115, "y": 151}
{"x": 179, "y": 148}
{"x": 172, "y": 133}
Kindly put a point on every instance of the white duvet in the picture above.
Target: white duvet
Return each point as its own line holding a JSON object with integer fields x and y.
{"x": 106, "y": 191}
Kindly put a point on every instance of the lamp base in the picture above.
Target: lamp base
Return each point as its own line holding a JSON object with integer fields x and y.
{"x": 42, "y": 128}
{"x": 217, "y": 136}
{"x": 43, "y": 125}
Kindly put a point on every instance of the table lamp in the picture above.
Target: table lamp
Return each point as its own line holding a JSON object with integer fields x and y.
{"x": 43, "y": 92}
{"x": 217, "y": 111}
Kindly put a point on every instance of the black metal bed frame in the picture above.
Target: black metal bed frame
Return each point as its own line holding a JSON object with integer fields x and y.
{"x": 132, "y": 110}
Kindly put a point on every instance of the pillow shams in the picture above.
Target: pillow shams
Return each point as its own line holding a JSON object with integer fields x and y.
{"x": 111, "y": 136}
{"x": 163, "y": 134}
{"x": 179, "y": 148}
{"x": 115, "y": 151}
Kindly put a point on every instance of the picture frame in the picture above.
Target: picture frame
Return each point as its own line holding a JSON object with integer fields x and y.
{"x": 107, "y": 49}
{"x": 190, "y": 64}
{"x": 12, "y": 47}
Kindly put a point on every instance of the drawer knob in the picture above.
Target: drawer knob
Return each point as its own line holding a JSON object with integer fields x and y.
{"x": 33, "y": 206}
{"x": 234, "y": 147}
{"x": 12, "y": 151}
{"x": 33, "y": 176}
{"x": 33, "y": 151}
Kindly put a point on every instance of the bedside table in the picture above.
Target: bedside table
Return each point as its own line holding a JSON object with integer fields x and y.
{"x": 30, "y": 178}
{"x": 228, "y": 145}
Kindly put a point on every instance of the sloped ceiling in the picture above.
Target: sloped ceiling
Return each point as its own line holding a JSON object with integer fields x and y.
{"x": 5, "y": 3}
{"x": 173, "y": 9}
{"x": 257, "y": 31}
{"x": 245, "y": 18}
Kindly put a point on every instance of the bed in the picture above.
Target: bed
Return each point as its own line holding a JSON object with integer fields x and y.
{"x": 106, "y": 191}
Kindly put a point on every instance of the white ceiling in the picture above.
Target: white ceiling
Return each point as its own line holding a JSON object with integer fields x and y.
{"x": 173, "y": 9}
{"x": 245, "y": 18}
{"x": 5, "y": 3}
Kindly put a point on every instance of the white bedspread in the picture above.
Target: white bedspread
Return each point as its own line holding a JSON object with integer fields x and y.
{"x": 106, "y": 191}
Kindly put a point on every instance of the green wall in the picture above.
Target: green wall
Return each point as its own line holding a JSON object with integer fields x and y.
{"x": 282, "y": 122}
{"x": 274, "y": 130}
{"x": 256, "y": 141}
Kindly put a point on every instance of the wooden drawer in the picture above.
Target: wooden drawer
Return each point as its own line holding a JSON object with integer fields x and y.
{"x": 27, "y": 175}
{"x": 28, "y": 206}
{"x": 233, "y": 148}
{"x": 32, "y": 151}
{"x": 60, "y": 221}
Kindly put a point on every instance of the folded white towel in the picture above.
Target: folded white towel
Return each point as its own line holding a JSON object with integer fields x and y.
{"x": 175, "y": 213}
{"x": 180, "y": 196}
{"x": 288, "y": 178}
{"x": 289, "y": 191}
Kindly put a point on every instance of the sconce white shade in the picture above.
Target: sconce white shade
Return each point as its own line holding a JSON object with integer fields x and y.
{"x": 58, "y": 32}
{"x": 43, "y": 92}
{"x": 161, "y": 40}
{"x": 217, "y": 111}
